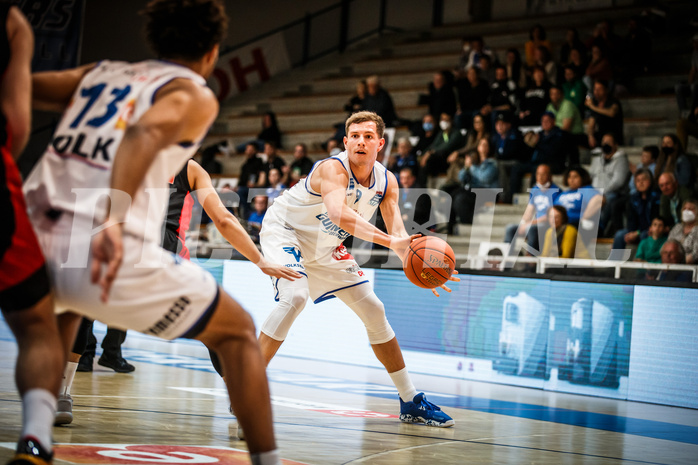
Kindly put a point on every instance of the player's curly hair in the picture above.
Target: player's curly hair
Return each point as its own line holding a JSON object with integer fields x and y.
{"x": 184, "y": 29}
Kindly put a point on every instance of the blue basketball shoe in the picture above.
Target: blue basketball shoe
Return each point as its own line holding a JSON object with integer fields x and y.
{"x": 420, "y": 410}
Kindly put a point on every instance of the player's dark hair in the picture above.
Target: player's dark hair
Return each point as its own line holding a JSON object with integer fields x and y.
{"x": 184, "y": 29}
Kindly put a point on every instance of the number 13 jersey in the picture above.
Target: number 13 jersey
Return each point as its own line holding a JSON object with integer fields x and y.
{"x": 74, "y": 174}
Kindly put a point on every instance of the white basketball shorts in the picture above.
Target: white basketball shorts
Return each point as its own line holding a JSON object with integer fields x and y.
{"x": 155, "y": 292}
{"x": 328, "y": 271}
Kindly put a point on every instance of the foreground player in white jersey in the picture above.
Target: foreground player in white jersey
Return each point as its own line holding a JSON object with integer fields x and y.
{"x": 305, "y": 227}
{"x": 132, "y": 127}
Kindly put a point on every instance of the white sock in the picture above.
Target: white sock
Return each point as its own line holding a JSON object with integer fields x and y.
{"x": 68, "y": 376}
{"x": 266, "y": 458}
{"x": 403, "y": 383}
{"x": 38, "y": 414}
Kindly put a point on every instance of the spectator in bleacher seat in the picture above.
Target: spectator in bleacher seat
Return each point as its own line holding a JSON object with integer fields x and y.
{"x": 515, "y": 68}
{"x": 426, "y": 132}
{"x": 250, "y": 177}
{"x": 635, "y": 56}
{"x": 535, "y": 99}
{"x": 509, "y": 150}
{"x": 301, "y": 166}
{"x": 536, "y": 38}
{"x": 270, "y": 133}
{"x": 544, "y": 59}
{"x": 473, "y": 95}
{"x": 610, "y": 173}
{"x": 273, "y": 161}
{"x": 687, "y": 91}
{"x": 567, "y": 118}
{"x": 256, "y": 216}
{"x": 598, "y": 69}
{"x": 403, "y": 157}
{"x": 672, "y": 159}
{"x": 210, "y": 155}
{"x": 604, "y": 115}
{"x": 415, "y": 204}
{"x": 578, "y": 62}
{"x": 648, "y": 160}
{"x": 561, "y": 237}
{"x": 433, "y": 161}
{"x": 574, "y": 90}
{"x": 572, "y": 42}
{"x": 473, "y": 50}
{"x": 479, "y": 172}
{"x": 582, "y": 202}
{"x": 356, "y": 102}
{"x": 649, "y": 249}
{"x": 688, "y": 126}
{"x": 686, "y": 231}
{"x": 503, "y": 95}
{"x": 441, "y": 97}
{"x": 276, "y": 185}
{"x": 378, "y": 100}
{"x": 534, "y": 222}
{"x": 605, "y": 38}
{"x": 333, "y": 147}
{"x": 673, "y": 253}
{"x": 487, "y": 69}
{"x": 548, "y": 148}
{"x": 672, "y": 197}
{"x": 641, "y": 207}
{"x": 480, "y": 168}
{"x": 475, "y": 134}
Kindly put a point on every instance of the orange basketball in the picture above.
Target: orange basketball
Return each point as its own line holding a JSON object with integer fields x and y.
{"x": 429, "y": 262}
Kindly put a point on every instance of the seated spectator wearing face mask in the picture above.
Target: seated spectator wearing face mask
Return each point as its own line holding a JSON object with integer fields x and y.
{"x": 686, "y": 232}
{"x": 434, "y": 161}
{"x": 672, "y": 159}
{"x": 610, "y": 173}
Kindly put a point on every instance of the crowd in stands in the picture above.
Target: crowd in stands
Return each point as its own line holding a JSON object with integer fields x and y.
{"x": 512, "y": 122}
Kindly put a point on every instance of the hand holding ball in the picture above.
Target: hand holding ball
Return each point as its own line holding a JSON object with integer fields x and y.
{"x": 429, "y": 262}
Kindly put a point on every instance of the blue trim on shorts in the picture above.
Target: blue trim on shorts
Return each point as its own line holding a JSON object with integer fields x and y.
{"x": 276, "y": 285}
{"x": 330, "y": 294}
{"x": 200, "y": 325}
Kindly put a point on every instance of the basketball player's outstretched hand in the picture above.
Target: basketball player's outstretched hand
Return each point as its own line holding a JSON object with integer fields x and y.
{"x": 107, "y": 249}
{"x": 277, "y": 271}
{"x": 444, "y": 287}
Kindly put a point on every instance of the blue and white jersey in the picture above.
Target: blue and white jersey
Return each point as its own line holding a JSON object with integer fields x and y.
{"x": 302, "y": 209}
{"x": 75, "y": 171}
{"x": 575, "y": 201}
{"x": 543, "y": 199}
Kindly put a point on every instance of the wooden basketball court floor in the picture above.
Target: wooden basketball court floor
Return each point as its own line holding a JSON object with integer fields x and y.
{"x": 173, "y": 410}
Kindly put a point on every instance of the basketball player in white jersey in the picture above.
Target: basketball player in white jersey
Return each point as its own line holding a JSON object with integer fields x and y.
{"x": 305, "y": 227}
{"x": 126, "y": 130}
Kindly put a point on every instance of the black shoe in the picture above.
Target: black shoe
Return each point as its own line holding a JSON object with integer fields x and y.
{"x": 116, "y": 363}
{"x": 30, "y": 452}
{"x": 86, "y": 362}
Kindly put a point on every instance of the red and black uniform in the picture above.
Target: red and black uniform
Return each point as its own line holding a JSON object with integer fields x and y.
{"x": 23, "y": 277}
{"x": 178, "y": 214}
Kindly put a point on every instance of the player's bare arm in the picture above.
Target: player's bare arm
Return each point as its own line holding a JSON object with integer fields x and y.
{"x": 15, "y": 93}
{"x": 229, "y": 226}
{"x": 52, "y": 90}
{"x": 390, "y": 209}
{"x": 182, "y": 113}
{"x": 331, "y": 180}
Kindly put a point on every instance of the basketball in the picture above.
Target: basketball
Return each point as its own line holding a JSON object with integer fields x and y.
{"x": 429, "y": 262}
